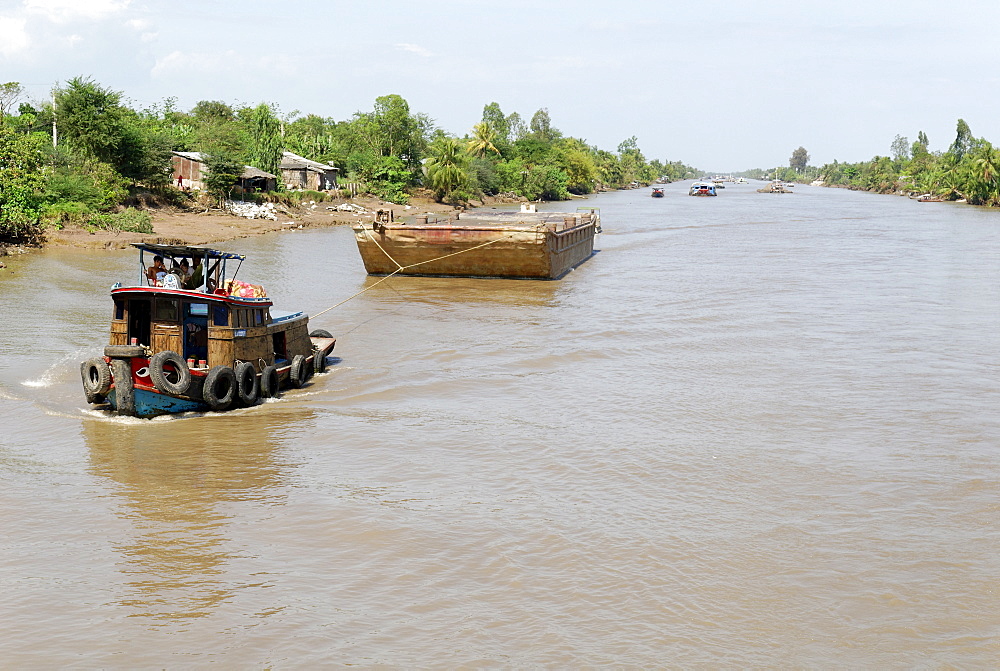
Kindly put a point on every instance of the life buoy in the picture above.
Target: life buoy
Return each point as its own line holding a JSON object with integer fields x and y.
{"x": 246, "y": 383}
{"x": 96, "y": 379}
{"x": 166, "y": 365}
{"x": 269, "y": 382}
{"x": 220, "y": 388}
{"x": 121, "y": 371}
{"x": 299, "y": 372}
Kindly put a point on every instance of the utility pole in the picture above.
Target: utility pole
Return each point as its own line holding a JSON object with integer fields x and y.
{"x": 55, "y": 132}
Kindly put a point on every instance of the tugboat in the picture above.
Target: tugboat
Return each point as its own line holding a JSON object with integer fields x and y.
{"x": 191, "y": 338}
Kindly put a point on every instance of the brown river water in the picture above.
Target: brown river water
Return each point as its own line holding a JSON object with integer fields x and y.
{"x": 752, "y": 431}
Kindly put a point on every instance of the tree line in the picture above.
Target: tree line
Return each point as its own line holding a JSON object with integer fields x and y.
{"x": 968, "y": 169}
{"x": 86, "y": 155}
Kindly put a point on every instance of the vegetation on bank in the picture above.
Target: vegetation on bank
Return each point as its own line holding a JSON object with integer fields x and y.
{"x": 87, "y": 158}
{"x": 968, "y": 169}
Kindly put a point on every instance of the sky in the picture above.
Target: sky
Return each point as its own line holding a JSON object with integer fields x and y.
{"x": 723, "y": 86}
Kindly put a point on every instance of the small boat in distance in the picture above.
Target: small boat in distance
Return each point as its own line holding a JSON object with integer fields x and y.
{"x": 929, "y": 198}
{"x": 510, "y": 244}
{"x": 702, "y": 189}
{"x": 657, "y": 192}
{"x": 198, "y": 340}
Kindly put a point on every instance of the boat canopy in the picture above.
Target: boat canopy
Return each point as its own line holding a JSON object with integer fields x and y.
{"x": 186, "y": 250}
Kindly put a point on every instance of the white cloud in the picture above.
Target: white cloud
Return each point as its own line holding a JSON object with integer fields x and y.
{"x": 414, "y": 49}
{"x": 63, "y": 11}
{"x": 13, "y": 36}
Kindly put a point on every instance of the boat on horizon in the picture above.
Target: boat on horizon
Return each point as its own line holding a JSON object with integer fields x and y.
{"x": 201, "y": 341}
{"x": 657, "y": 192}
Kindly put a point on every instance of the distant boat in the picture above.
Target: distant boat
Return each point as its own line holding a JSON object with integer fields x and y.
{"x": 929, "y": 198}
{"x": 702, "y": 189}
{"x": 657, "y": 192}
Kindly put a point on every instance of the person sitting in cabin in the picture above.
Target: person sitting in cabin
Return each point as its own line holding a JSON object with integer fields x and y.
{"x": 186, "y": 271}
{"x": 156, "y": 271}
{"x": 195, "y": 277}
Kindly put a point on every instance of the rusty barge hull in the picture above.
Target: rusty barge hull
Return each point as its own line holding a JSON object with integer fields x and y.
{"x": 546, "y": 249}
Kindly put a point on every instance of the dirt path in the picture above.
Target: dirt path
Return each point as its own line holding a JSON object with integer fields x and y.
{"x": 197, "y": 228}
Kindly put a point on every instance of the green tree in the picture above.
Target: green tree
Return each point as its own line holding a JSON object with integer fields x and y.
{"x": 223, "y": 172}
{"x": 799, "y": 159}
{"x": 21, "y": 161}
{"x": 10, "y": 93}
{"x": 90, "y": 119}
{"x": 263, "y": 145}
{"x": 900, "y": 149}
{"x": 963, "y": 141}
{"x": 445, "y": 169}
{"x": 482, "y": 141}
{"x": 541, "y": 126}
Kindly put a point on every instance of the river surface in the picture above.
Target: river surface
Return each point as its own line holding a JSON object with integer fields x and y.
{"x": 757, "y": 430}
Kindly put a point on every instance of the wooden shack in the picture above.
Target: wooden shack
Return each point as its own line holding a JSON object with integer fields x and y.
{"x": 298, "y": 172}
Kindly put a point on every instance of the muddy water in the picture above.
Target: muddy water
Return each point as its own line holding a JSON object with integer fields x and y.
{"x": 754, "y": 430}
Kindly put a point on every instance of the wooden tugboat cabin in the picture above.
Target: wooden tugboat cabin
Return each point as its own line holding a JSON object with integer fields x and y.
{"x": 199, "y": 338}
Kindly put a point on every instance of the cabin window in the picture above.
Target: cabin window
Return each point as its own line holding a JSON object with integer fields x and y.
{"x": 166, "y": 310}
{"x": 258, "y": 317}
{"x": 220, "y": 316}
{"x": 119, "y": 310}
{"x": 241, "y": 318}
{"x": 198, "y": 309}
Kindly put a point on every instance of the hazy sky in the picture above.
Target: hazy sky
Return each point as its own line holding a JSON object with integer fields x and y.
{"x": 724, "y": 85}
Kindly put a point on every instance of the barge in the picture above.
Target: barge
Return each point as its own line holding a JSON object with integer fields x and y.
{"x": 192, "y": 338}
{"x": 523, "y": 245}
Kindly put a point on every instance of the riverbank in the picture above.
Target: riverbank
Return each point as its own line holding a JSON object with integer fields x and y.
{"x": 198, "y": 227}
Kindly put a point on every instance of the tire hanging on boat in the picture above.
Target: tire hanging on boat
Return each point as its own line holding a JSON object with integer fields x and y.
{"x": 220, "y": 388}
{"x": 121, "y": 371}
{"x": 320, "y": 333}
{"x": 96, "y": 379}
{"x": 246, "y": 383}
{"x": 269, "y": 382}
{"x": 158, "y": 373}
{"x": 319, "y": 361}
{"x": 299, "y": 372}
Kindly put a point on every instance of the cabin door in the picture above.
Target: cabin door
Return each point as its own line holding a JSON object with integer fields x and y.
{"x": 139, "y": 311}
{"x": 196, "y": 331}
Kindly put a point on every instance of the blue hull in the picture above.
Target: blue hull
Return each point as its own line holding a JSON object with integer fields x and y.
{"x": 151, "y": 404}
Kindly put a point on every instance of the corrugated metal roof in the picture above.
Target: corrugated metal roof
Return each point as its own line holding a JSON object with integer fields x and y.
{"x": 290, "y": 161}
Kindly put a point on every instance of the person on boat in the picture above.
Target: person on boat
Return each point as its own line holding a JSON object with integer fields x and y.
{"x": 195, "y": 277}
{"x": 156, "y": 271}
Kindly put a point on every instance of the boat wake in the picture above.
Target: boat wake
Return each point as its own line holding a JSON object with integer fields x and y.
{"x": 60, "y": 368}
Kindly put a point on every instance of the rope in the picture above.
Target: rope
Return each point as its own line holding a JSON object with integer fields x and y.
{"x": 400, "y": 268}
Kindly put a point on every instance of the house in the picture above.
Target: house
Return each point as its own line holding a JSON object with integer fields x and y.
{"x": 302, "y": 173}
{"x": 189, "y": 170}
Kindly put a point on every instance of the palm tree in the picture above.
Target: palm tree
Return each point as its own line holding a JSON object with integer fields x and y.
{"x": 483, "y": 137}
{"x": 445, "y": 169}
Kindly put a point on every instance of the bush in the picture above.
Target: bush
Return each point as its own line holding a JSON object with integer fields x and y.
{"x": 64, "y": 213}
{"x": 129, "y": 220}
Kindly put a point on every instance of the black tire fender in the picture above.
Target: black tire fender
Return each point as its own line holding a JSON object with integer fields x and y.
{"x": 121, "y": 371}
{"x": 319, "y": 361}
{"x": 159, "y": 373}
{"x": 124, "y": 351}
{"x": 246, "y": 383}
{"x": 269, "y": 382}
{"x": 300, "y": 371}
{"x": 320, "y": 333}
{"x": 219, "y": 390}
{"x": 96, "y": 376}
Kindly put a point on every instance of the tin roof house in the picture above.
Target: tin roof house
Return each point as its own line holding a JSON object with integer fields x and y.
{"x": 189, "y": 171}
{"x": 298, "y": 172}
